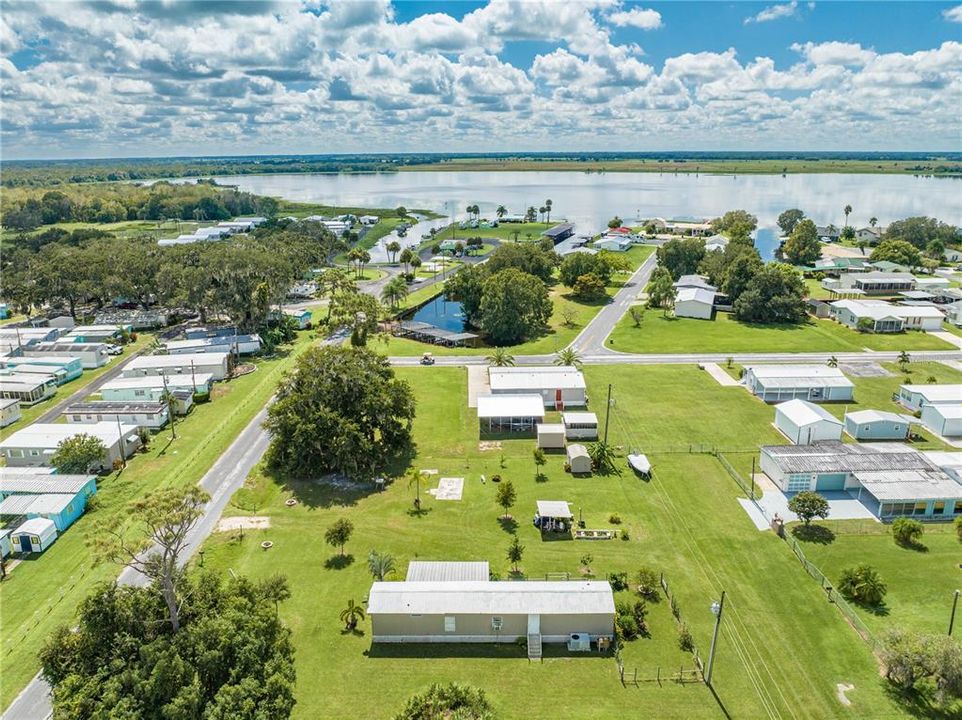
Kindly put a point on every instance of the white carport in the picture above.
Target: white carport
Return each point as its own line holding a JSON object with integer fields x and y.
{"x": 510, "y": 412}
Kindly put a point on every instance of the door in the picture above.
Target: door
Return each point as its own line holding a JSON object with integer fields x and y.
{"x": 558, "y": 401}
{"x": 534, "y": 624}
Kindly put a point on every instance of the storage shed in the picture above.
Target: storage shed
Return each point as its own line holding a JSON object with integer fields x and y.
{"x": 35, "y": 535}
{"x": 514, "y": 413}
{"x": 804, "y": 423}
{"x": 580, "y": 425}
{"x": 878, "y": 425}
{"x": 944, "y": 420}
{"x": 579, "y": 461}
{"x": 694, "y": 302}
{"x": 551, "y": 436}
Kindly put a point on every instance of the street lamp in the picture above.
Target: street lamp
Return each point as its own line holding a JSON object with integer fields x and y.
{"x": 716, "y": 609}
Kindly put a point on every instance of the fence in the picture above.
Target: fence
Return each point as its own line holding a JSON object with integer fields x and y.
{"x": 748, "y": 490}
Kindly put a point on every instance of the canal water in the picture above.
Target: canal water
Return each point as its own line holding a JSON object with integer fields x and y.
{"x": 445, "y": 314}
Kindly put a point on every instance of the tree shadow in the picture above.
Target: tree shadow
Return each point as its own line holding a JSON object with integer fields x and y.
{"x": 418, "y": 511}
{"x": 880, "y": 610}
{"x": 517, "y": 575}
{"x": 338, "y": 562}
{"x": 508, "y": 524}
{"x": 818, "y": 534}
{"x": 919, "y": 702}
{"x": 356, "y": 632}
{"x": 541, "y": 478}
{"x": 913, "y": 545}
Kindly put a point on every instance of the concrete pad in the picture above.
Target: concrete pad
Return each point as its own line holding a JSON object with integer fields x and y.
{"x": 842, "y": 506}
{"x": 866, "y": 369}
{"x": 954, "y": 364}
{"x": 255, "y": 522}
{"x": 720, "y": 376}
{"x": 448, "y": 489}
{"x": 761, "y": 522}
{"x": 950, "y": 338}
{"x": 478, "y": 383}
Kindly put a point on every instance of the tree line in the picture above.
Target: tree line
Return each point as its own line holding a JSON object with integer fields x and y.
{"x": 242, "y": 278}
{"x": 29, "y": 208}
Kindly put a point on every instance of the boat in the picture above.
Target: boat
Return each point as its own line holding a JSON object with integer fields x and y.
{"x": 639, "y": 463}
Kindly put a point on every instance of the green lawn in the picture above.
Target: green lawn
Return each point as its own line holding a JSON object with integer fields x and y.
{"x": 522, "y": 232}
{"x": 920, "y": 582}
{"x": 41, "y": 593}
{"x": 659, "y": 334}
{"x": 29, "y": 414}
{"x": 782, "y": 649}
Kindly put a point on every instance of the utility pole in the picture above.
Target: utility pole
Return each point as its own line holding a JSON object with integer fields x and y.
{"x": 717, "y": 609}
{"x": 607, "y": 413}
{"x": 170, "y": 407}
{"x": 955, "y": 603}
{"x": 123, "y": 447}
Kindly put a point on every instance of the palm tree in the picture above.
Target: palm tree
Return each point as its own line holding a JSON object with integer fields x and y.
{"x": 602, "y": 456}
{"x": 873, "y": 221}
{"x": 351, "y": 615}
{"x": 380, "y": 564}
{"x": 847, "y": 211}
{"x": 904, "y": 360}
{"x": 833, "y": 362}
{"x": 415, "y": 478}
{"x": 500, "y": 357}
{"x": 393, "y": 248}
{"x": 407, "y": 255}
{"x": 568, "y": 356}
{"x": 547, "y": 207}
{"x": 364, "y": 258}
{"x": 477, "y": 212}
{"x": 541, "y": 212}
{"x": 415, "y": 263}
{"x": 394, "y": 291}
{"x": 501, "y": 211}
{"x": 531, "y": 214}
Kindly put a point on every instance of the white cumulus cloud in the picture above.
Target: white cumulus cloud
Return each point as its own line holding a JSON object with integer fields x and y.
{"x": 643, "y": 18}
{"x": 774, "y": 12}
{"x": 953, "y": 14}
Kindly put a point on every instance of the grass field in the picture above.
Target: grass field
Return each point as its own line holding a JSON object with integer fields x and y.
{"x": 43, "y": 592}
{"x": 782, "y": 649}
{"x": 29, "y": 414}
{"x": 522, "y": 232}
{"x": 659, "y": 334}
{"x": 726, "y": 167}
{"x": 920, "y": 582}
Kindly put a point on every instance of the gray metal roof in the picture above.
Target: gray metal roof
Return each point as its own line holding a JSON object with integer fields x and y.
{"x": 114, "y": 406}
{"x": 13, "y": 484}
{"x": 833, "y": 456}
{"x": 506, "y": 597}
{"x": 910, "y": 485}
{"x": 429, "y": 571}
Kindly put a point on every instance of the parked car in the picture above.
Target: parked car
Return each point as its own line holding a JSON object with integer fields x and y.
{"x": 114, "y": 350}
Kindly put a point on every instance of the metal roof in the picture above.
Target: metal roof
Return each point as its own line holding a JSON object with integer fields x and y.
{"x": 554, "y": 509}
{"x": 576, "y": 450}
{"x": 935, "y": 394}
{"x": 13, "y": 484}
{"x": 536, "y": 378}
{"x": 115, "y": 406}
{"x": 909, "y": 485}
{"x": 863, "y": 417}
{"x": 48, "y": 503}
{"x": 16, "y": 504}
{"x": 696, "y": 294}
{"x": 431, "y": 571}
{"x": 505, "y": 597}
{"x": 838, "y": 457}
{"x": 182, "y": 360}
{"x": 49, "y": 435}
{"x": 501, "y": 406}
{"x": 946, "y": 411}
{"x": 802, "y": 413}
{"x": 579, "y": 418}
{"x": 157, "y": 381}
{"x": 42, "y": 527}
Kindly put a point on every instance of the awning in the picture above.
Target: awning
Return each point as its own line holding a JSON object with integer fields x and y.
{"x": 554, "y": 509}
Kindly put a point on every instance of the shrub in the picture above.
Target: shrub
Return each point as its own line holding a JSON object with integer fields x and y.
{"x": 615, "y": 519}
{"x": 862, "y": 584}
{"x": 447, "y": 701}
{"x": 958, "y": 527}
{"x": 625, "y": 623}
{"x": 685, "y": 641}
{"x": 648, "y": 583}
{"x": 907, "y": 531}
{"x": 201, "y": 397}
{"x": 639, "y": 611}
{"x": 625, "y": 536}
{"x": 619, "y": 581}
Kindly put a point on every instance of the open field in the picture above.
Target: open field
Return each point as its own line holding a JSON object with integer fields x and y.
{"x": 920, "y": 582}
{"x": 758, "y": 166}
{"x": 659, "y": 334}
{"x": 43, "y": 592}
{"x": 520, "y": 232}
{"x": 782, "y": 648}
{"x": 29, "y": 414}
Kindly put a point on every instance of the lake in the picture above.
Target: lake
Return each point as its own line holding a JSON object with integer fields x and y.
{"x": 591, "y": 199}
{"x": 445, "y": 314}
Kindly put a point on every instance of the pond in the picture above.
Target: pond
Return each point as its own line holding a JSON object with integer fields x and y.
{"x": 445, "y": 314}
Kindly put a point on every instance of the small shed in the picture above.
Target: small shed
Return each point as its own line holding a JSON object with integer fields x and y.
{"x": 35, "y": 535}
{"x": 805, "y": 423}
{"x": 579, "y": 461}
{"x": 878, "y": 425}
{"x": 551, "y": 436}
{"x": 580, "y": 425}
{"x": 694, "y": 302}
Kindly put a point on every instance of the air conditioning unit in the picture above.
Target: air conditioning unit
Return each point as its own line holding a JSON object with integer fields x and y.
{"x": 497, "y": 623}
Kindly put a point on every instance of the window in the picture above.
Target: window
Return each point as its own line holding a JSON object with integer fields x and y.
{"x": 958, "y": 507}
{"x": 449, "y": 623}
{"x": 34, "y": 453}
{"x": 76, "y": 418}
{"x": 920, "y": 508}
{"x": 70, "y": 508}
{"x": 140, "y": 393}
{"x": 939, "y": 507}
{"x": 15, "y": 453}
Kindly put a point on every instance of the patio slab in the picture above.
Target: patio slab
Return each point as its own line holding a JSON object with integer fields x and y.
{"x": 448, "y": 489}
{"x": 842, "y": 506}
{"x": 720, "y": 376}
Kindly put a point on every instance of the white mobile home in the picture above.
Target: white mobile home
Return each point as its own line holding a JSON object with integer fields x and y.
{"x": 151, "y": 388}
{"x": 35, "y": 535}
{"x": 559, "y": 386}
{"x": 885, "y": 317}
{"x": 148, "y": 414}
{"x": 693, "y": 302}
{"x": 804, "y": 423}
{"x": 28, "y": 389}
{"x": 96, "y": 333}
{"x": 878, "y": 425}
{"x": 944, "y": 420}
{"x": 237, "y": 344}
{"x": 9, "y": 411}
{"x": 217, "y": 364}
{"x": 915, "y": 396}
{"x": 815, "y": 383}
{"x": 92, "y": 355}
{"x": 37, "y": 443}
{"x": 492, "y": 611}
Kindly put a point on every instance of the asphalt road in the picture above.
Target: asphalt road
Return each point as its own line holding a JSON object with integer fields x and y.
{"x": 223, "y": 479}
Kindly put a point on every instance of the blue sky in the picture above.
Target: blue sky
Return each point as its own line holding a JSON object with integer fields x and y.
{"x": 135, "y": 77}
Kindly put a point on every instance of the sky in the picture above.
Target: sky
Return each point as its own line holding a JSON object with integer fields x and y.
{"x": 132, "y": 78}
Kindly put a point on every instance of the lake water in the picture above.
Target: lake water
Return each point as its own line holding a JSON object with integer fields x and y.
{"x": 445, "y": 314}
{"x": 591, "y": 199}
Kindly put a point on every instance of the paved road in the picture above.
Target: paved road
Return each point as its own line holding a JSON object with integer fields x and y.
{"x": 223, "y": 479}
{"x": 591, "y": 340}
